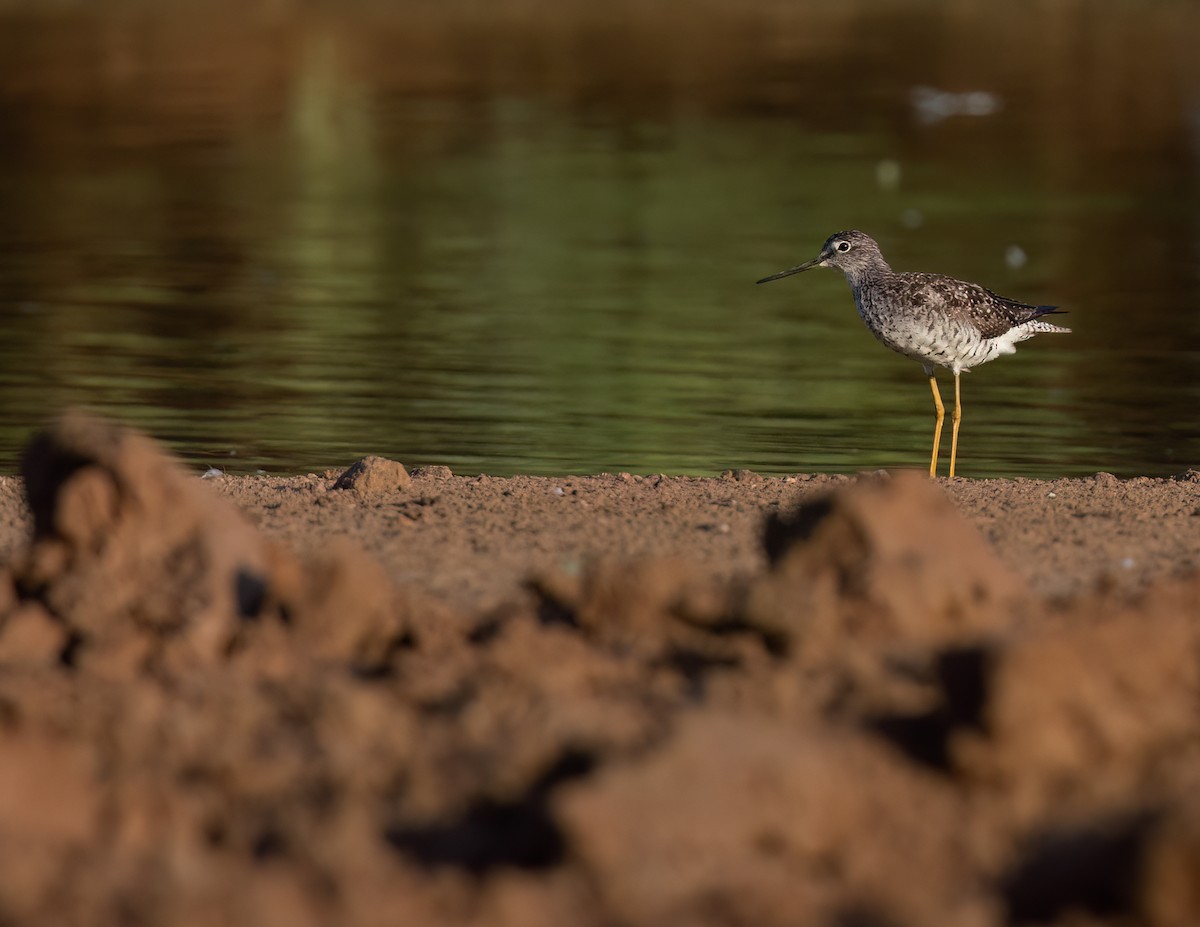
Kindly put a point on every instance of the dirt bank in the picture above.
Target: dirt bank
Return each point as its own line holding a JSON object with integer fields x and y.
{"x": 431, "y": 699}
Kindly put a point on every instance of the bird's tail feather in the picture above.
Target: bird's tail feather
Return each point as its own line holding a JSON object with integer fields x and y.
{"x": 1037, "y": 325}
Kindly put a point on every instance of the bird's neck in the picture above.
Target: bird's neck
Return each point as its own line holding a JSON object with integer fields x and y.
{"x": 867, "y": 274}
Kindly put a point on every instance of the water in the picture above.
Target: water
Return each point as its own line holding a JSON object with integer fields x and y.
{"x": 523, "y": 237}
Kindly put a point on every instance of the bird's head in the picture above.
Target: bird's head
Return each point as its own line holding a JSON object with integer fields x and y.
{"x": 854, "y": 253}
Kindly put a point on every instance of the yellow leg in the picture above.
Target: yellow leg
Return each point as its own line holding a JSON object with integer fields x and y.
{"x": 957, "y": 419}
{"x": 937, "y": 429}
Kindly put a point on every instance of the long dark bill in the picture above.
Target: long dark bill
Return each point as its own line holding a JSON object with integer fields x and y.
{"x": 807, "y": 265}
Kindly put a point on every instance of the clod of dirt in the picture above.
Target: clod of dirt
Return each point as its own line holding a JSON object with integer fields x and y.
{"x": 616, "y": 601}
{"x": 1133, "y": 867}
{"x": 338, "y": 606}
{"x": 138, "y": 563}
{"x": 747, "y": 821}
{"x": 1093, "y": 867}
{"x": 885, "y": 562}
{"x": 1168, "y": 892}
{"x": 372, "y": 476}
{"x": 662, "y": 612}
{"x": 433, "y": 472}
{"x": 29, "y": 636}
{"x": 1066, "y": 702}
{"x": 130, "y": 552}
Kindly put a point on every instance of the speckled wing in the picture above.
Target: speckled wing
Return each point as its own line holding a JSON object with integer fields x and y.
{"x": 970, "y": 303}
{"x": 1004, "y": 314}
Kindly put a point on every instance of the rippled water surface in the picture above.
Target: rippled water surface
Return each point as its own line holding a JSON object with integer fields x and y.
{"x": 523, "y": 237}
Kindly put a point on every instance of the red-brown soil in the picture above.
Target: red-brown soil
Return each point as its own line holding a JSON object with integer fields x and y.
{"x": 612, "y": 700}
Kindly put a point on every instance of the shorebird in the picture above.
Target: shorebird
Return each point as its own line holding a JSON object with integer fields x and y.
{"x": 935, "y": 320}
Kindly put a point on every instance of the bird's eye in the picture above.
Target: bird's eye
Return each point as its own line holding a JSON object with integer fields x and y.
{"x": 842, "y": 246}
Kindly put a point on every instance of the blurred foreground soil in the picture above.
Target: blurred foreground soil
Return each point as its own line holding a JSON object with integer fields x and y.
{"x": 379, "y": 697}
